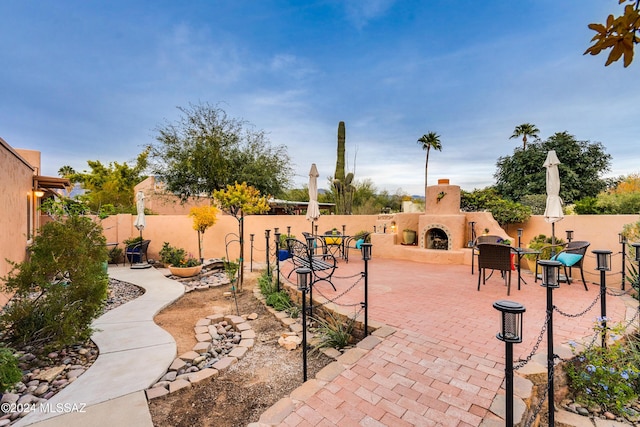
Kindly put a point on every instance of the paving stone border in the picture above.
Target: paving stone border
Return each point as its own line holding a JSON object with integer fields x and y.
{"x": 222, "y": 341}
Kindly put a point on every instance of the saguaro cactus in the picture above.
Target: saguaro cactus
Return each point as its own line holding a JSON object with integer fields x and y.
{"x": 342, "y": 184}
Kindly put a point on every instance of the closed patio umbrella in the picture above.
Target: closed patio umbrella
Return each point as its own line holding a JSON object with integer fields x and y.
{"x": 553, "y": 210}
{"x": 313, "y": 210}
{"x": 141, "y": 221}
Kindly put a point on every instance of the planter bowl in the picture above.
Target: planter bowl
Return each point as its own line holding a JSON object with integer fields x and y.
{"x": 185, "y": 271}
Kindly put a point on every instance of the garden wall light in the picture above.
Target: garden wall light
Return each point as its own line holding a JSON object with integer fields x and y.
{"x": 569, "y": 235}
{"x": 603, "y": 258}
{"x": 550, "y": 273}
{"x": 510, "y": 320}
{"x": 622, "y": 238}
{"x": 38, "y": 193}
{"x": 365, "y": 248}
{"x": 636, "y": 246}
{"x": 520, "y": 230}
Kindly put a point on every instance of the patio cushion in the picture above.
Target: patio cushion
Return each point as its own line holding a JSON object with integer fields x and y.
{"x": 568, "y": 259}
{"x": 359, "y": 243}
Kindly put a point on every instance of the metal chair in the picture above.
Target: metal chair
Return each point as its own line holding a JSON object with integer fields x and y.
{"x": 138, "y": 250}
{"x": 493, "y": 256}
{"x": 576, "y": 247}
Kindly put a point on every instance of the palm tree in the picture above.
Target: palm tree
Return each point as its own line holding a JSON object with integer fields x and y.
{"x": 525, "y": 130}
{"x": 428, "y": 141}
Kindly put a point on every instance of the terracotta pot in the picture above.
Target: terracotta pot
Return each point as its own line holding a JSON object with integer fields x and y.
{"x": 185, "y": 271}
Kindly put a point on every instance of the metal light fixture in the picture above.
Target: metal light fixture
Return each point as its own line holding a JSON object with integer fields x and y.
{"x": 636, "y": 246}
{"x": 303, "y": 283}
{"x": 472, "y": 234}
{"x": 622, "y": 239}
{"x": 365, "y": 248}
{"x": 510, "y": 333}
{"x": 38, "y": 193}
{"x": 550, "y": 273}
{"x": 569, "y": 235}
{"x": 276, "y": 230}
{"x": 520, "y": 230}
{"x": 310, "y": 241}
{"x": 603, "y": 258}
{"x": 510, "y": 320}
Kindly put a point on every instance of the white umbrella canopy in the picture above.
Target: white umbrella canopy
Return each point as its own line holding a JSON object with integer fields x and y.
{"x": 553, "y": 210}
{"x": 141, "y": 221}
{"x": 313, "y": 210}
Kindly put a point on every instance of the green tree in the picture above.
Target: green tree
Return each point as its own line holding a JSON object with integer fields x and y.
{"x": 582, "y": 165}
{"x": 427, "y": 142}
{"x": 206, "y": 150}
{"x": 619, "y": 33}
{"x": 239, "y": 200}
{"x": 487, "y": 199}
{"x": 524, "y": 130}
{"x": 109, "y": 185}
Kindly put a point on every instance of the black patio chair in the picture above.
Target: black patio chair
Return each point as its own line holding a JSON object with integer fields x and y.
{"x": 494, "y": 256}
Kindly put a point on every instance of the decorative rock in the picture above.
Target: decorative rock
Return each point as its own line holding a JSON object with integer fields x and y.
{"x": 42, "y": 389}
{"x": 289, "y": 342}
{"x": 154, "y": 393}
{"x": 608, "y": 415}
{"x": 178, "y": 384}
{"x": 202, "y": 347}
{"x": 203, "y": 322}
{"x": 189, "y": 356}
{"x": 169, "y": 376}
{"x": 201, "y": 329}
{"x": 74, "y": 374}
{"x": 203, "y": 337}
{"x": 252, "y": 316}
{"x": 50, "y": 374}
{"x": 9, "y": 398}
{"x": 238, "y": 352}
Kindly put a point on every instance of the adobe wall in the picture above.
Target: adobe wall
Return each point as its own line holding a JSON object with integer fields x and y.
{"x": 16, "y": 199}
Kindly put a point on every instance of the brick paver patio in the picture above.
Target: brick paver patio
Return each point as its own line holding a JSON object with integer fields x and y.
{"x": 443, "y": 366}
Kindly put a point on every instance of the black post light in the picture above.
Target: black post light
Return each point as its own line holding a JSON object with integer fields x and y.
{"x": 251, "y": 236}
{"x": 310, "y": 253}
{"x": 276, "y": 230}
{"x": 603, "y": 258}
{"x": 266, "y": 236}
{"x": 636, "y": 246}
{"x": 276, "y": 237}
{"x": 288, "y": 231}
{"x": 303, "y": 284}
{"x": 623, "y": 241}
{"x": 366, "y": 256}
{"x": 520, "y": 230}
{"x": 550, "y": 280}
{"x": 569, "y": 235}
{"x": 511, "y": 314}
{"x": 316, "y": 229}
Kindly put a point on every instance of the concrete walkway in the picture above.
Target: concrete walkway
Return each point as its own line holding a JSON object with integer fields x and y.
{"x": 134, "y": 353}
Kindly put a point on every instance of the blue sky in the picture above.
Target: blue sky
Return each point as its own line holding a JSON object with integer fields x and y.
{"x": 90, "y": 80}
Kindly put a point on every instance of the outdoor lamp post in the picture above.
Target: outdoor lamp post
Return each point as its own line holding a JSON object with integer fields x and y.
{"x": 266, "y": 236}
{"x": 251, "y": 253}
{"x": 316, "y": 229}
{"x": 366, "y": 256}
{"x": 636, "y": 246}
{"x": 310, "y": 252}
{"x": 569, "y": 235}
{"x": 550, "y": 280}
{"x": 276, "y": 237}
{"x": 510, "y": 333}
{"x": 288, "y": 231}
{"x": 520, "y": 230}
{"x": 303, "y": 283}
{"x": 623, "y": 241}
{"x": 603, "y": 258}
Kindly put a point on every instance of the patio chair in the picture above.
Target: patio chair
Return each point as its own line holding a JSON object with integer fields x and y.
{"x": 488, "y": 238}
{"x": 494, "y": 256}
{"x": 136, "y": 251}
{"x": 573, "y": 256}
{"x": 354, "y": 242}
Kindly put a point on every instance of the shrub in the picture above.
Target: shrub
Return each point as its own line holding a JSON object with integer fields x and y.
{"x": 176, "y": 257}
{"x": 10, "y": 374}
{"x": 332, "y": 333}
{"x": 280, "y": 301}
{"x": 543, "y": 243}
{"x": 61, "y": 288}
{"x": 609, "y": 376}
{"x": 265, "y": 282}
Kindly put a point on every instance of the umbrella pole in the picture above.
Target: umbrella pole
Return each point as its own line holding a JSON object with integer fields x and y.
{"x": 553, "y": 239}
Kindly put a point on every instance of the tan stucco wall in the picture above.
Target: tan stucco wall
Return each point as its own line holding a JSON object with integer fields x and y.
{"x": 16, "y": 199}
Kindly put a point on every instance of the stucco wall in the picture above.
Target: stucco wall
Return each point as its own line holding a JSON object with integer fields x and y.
{"x": 16, "y": 200}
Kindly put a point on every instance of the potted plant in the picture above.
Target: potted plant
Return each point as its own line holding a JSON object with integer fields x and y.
{"x": 283, "y": 248}
{"x": 409, "y": 236}
{"x": 179, "y": 262}
{"x": 337, "y": 240}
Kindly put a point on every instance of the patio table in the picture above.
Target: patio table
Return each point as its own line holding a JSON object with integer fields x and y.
{"x": 520, "y": 252}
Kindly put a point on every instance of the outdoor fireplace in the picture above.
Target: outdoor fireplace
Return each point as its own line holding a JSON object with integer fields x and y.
{"x": 436, "y": 236}
{"x": 437, "y": 239}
